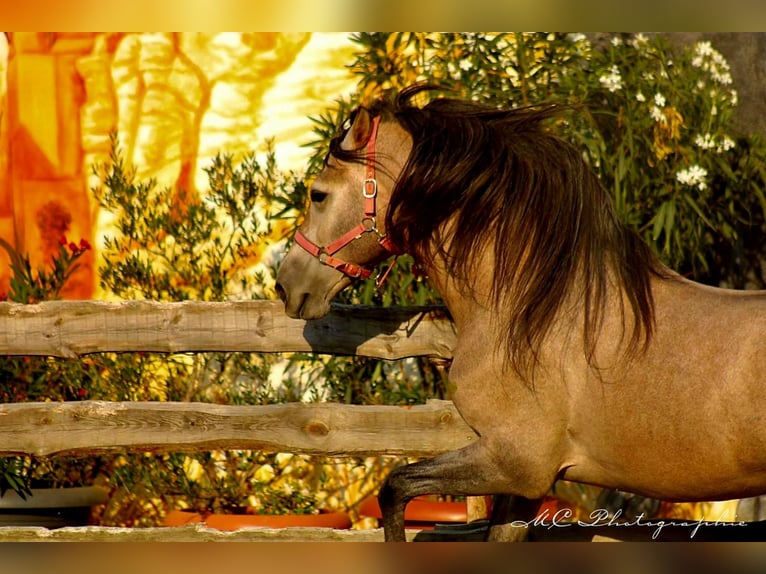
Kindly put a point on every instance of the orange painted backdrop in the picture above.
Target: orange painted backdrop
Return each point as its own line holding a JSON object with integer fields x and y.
{"x": 175, "y": 100}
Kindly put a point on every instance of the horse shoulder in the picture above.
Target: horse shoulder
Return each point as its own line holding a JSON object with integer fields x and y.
{"x": 524, "y": 425}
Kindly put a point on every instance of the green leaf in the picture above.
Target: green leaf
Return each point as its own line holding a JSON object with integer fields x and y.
{"x": 659, "y": 221}
{"x": 758, "y": 191}
{"x": 690, "y": 200}
{"x": 670, "y": 215}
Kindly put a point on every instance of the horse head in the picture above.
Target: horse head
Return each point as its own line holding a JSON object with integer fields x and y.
{"x": 343, "y": 232}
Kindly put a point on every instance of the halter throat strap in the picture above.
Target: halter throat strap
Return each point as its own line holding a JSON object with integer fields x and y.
{"x": 325, "y": 253}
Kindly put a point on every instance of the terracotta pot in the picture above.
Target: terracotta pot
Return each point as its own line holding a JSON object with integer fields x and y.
{"x": 422, "y": 513}
{"x": 182, "y": 518}
{"x": 337, "y": 520}
{"x": 551, "y": 505}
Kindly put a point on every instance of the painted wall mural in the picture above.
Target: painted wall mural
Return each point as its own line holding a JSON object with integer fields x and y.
{"x": 175, "y": 100}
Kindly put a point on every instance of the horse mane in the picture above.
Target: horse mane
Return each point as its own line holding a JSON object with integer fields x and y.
{"x": 501, "y": 179}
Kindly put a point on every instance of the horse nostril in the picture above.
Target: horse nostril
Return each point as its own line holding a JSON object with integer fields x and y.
{"x": 281, "y": 292}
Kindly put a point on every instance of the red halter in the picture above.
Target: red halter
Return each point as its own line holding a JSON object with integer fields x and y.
{"x": 368, "y": 224}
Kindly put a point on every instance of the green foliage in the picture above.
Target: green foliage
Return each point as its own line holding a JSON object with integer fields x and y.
{"x": 42, "y": 378}
{"x": 13, "y": 477}
{"x": 173, "y": 245}
{"x": 24, "y": 379}
{"x": 29, "y": 285}
{"x": 658, "y": 134}
{"x": 220, "y": 481}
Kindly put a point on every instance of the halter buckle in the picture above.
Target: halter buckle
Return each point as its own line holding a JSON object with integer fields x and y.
{"x": 367, "y": 182}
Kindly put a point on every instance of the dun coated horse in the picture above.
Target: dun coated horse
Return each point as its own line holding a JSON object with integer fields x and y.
{"x": 579, "y": 355}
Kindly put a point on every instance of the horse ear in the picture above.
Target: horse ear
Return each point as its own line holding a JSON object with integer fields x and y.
{"x": 359, "y": 132}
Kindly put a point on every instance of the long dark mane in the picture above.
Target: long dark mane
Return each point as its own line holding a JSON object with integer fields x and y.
{"x": 501, "y": 179}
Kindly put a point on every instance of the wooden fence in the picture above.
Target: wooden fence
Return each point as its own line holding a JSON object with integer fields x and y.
{"x": 75, "y": 328}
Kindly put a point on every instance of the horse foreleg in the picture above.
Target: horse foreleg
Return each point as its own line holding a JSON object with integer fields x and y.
{"x": 469, "y": 471}
{"x": 507, "y": 508}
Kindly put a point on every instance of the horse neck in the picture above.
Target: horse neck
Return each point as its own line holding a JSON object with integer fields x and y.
{"x": 474, "y": 312}
{"x": 466, "y": 303}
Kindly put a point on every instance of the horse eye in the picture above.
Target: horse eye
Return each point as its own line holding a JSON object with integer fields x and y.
{"x": 318, "y": 196}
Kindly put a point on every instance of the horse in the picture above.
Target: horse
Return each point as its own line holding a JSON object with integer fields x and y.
{"x": 579, "y": 356}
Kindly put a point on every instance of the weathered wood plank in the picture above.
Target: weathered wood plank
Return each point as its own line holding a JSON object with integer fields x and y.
{"x": 90, "y": 427}
{"x": 74, "y": 328}
{"x": 192, "y": 533}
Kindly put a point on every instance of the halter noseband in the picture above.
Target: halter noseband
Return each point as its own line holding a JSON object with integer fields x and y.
{"x": 368, "y": 224}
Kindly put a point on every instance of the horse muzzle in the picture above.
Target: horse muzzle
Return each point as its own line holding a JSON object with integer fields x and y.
{"x": 302, "y": 305}
{"x": 307, "y": 290}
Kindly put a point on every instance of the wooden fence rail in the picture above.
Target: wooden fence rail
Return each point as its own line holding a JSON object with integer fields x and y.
{"x": 75, "y": 328}
{"x": 90, "y": 427}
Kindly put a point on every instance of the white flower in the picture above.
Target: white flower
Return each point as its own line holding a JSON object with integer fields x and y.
{"x": 723, "y": 78}
{"x": 734, "y": 97}
{"x": 616, "y": 41}
{"x": 726, "y": 144}
{"x": 703, "y": 48}
{"x": 695, "y": 175}
{"x": 612, "y": 81}
{"x": 639, "y": 40}
{"x": 705, "y": 142}
{"x": 710, "y": 60}
{"x": 659, "y": 99}
{"x": 640, "y": 97}
{"x": 657, "y": 115}
{"x": 465, "y": 65}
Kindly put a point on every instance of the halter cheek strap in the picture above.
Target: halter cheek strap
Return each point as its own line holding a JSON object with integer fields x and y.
{"x": 325, "y": 253}
{"x": 325, "y": 257}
